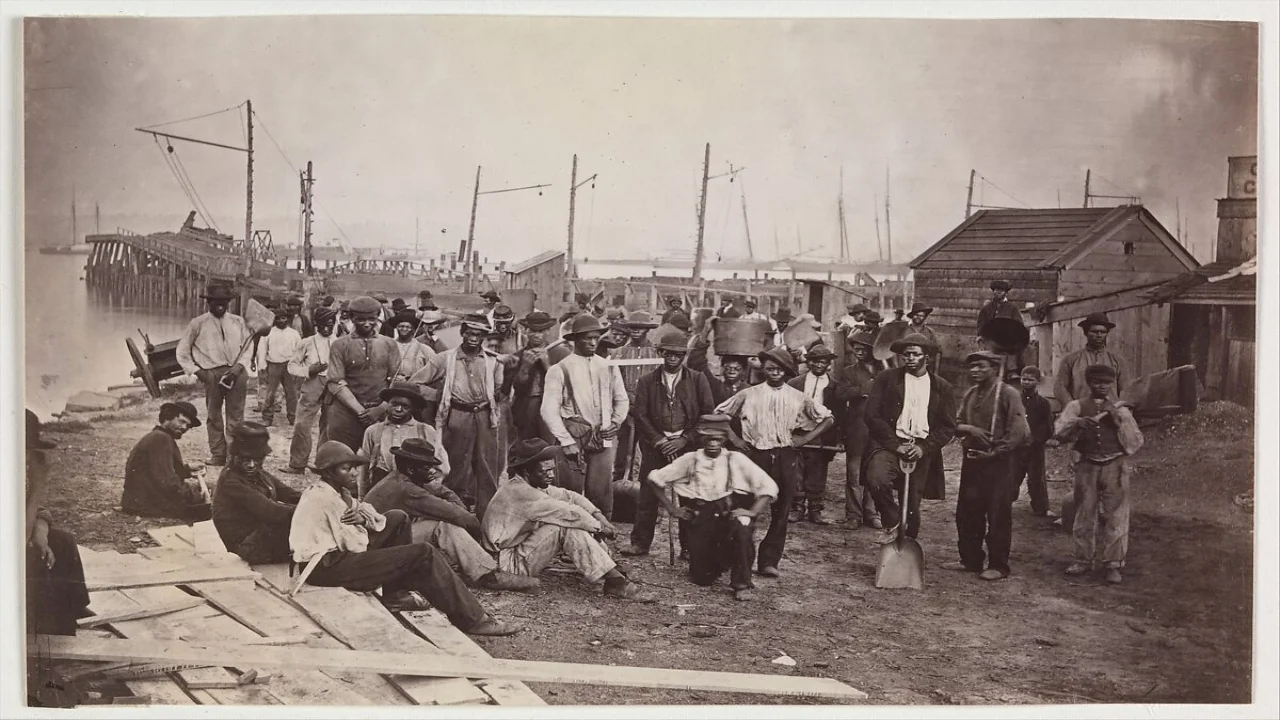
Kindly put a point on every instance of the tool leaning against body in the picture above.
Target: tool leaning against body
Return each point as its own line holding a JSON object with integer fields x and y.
{"x": 902, "y": 561}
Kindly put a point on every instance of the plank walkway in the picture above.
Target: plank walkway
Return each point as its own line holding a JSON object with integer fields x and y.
{"x": 242, "y": 612}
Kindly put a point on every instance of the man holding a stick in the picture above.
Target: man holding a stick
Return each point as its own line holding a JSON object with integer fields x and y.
{"x": 213, "y": 350}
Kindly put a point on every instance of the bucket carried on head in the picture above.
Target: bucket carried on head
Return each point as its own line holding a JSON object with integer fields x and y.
{"x": 740, "y": 336}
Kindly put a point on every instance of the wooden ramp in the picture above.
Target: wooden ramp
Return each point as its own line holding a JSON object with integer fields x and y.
{"x": 191, "y": 589}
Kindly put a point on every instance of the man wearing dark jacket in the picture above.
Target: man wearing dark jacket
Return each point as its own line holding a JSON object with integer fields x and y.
{"x": 156, "y": 481}
{"x": 667, "y": 406}
{"x": 823, "y": 388}
{"x": 853, "y": 385}
{"x": 251, "y": 508}
{"x": 910, "y": 415}
{"x": 1028, "y": 460}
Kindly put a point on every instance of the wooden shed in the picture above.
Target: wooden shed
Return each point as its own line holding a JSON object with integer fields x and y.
{"x": 827, "y": 302}
{"x": 544, "y": 274}
{"x": 1051, "y": 256}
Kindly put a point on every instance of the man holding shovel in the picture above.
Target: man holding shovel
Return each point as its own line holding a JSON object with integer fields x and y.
{"x": 993, "y": 423}
{"x": 213, "y": 350}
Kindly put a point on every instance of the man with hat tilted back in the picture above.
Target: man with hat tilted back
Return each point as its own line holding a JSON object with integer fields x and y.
{"x": 251, "y": 508}
{"x": 669, "y": 400}
{"x": 721, "y": 494}
{"x": 910, "y": 415}
{"x": 1104, "y": 433}
{"x": 469, "y": 412}
{"x": 531, "y": 522}
{"x": 361, "y": 366}
{"x": 777, "y": 420}
{"x": 213, "y": 349}
{"x": 530, "y": 375}
{"x": 156, "y": 481}
{"x": 403, "y": 402}
{"x": 414, "y": 355}
{"x": 584, "y": 403}
{"x": 1071, "y": 383}
{"x": 918, "y": 316}
{"x": 993, "y": 425}
{"x": 310, "y": 367}
{"x": 439, "y": 517}
{"x": 823, "y": 389}
{"x": 853, "y": 386}
{"x": 347, "y": 543}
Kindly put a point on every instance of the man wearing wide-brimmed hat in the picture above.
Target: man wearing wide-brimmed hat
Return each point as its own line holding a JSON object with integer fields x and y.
{"x": 584, "y": 403}
{"x": 531, "y": 522}
{"x": 491, "y": 300}
{"x": 471, "y": 383}
{"x": 777, "y": 420}
{"x": 403, "y": 402}
{"x": 852, "y": 321}
{"x": 430, "y": 320}
{"x": 310, "y": 366}
{"x": 1104, "y": 433}
{"x": 669, "y": 400}
{"x": 675, "y": 306}
{"x": 628, "y": 359}
{"x": 156, "y": 481}
{"x": 1071, "y": 383}
{"x": 820, "y": 386}
{"x": 853, "y": 387}
{"x": 910, "y": 415}
{"x": 918, "y": 316}
{"x": 216, "y": 346}
{"x": 439, "y": 516}
{"x": 999, "y": 305}
{"x": 721, "y": 494}
{"x": 252, "y": 509}
{"x": 530, "y": 375}
{"x": 992, "y": 425}
{"x": 345, "y": 542}
{"x": 414, "y": 355}
{"x": 504, "y": 319}
{"x": 361, "y": 365}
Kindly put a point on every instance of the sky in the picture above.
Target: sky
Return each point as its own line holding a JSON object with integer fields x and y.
{"x": 397, "y": 113}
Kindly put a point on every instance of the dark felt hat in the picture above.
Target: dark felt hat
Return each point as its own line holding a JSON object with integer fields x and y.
{"x": 417, "y": 450}
{"x": 923, "y": 341}
{"x": 1096, "y": 319}
{"x": 186, "y": 408}
{"x": 491, "y": 295}
{"x": 783, "y": 316}
{"x": 380, "y": 297}
{"x": 920, "y": 308}
{"x": 862, "y": 337}
{"x": 502, "y": 312}
{"x": 1001, "y": 285}
{"x": 780, "y": 356}
{"x": 713, "y": 425}
{"x": 857, "y": 308}
{"x": 1099, "y": 372}
{"x": 219, "y": 291}
{"x": 640, "y": 319}
{"x": 333, "y": 453}
{"x": 872, "y": 317}
{"x": 529, "y": 451}
{"x": 364, "y": 304}
{"x": 673, "y": 340}
{"x": 398, "y": 305}
{"x": 583, "y": 323}
{"x": 403, "y": 317}
{"x": 984, "y": 355}
{"x": 250, "y": 439}
{"x": 821, "y": 352}
{"x": 405, "y": 390}
{"x": 323, "y": 315}
{"x": 475, "y": 321}
{"x": 538, "y": 320}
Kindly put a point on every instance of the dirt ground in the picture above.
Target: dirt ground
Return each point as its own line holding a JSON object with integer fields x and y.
{"x": 1178, "y": 630}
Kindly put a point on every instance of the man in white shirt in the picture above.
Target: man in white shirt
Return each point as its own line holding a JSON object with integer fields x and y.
{"x": 347, "y": 543}
{"x": 819, "y": 386}
{"x": 853, "y": 321}
{"x": 213, "y": 350}
{"x": 310, "y": 368}
{"x": 721, "y": 494}
{"x": 584, "y": 402}
{"x": 414, "y": 355}
{"x": 381, "y": 438}
{"x": 277, "y": 350}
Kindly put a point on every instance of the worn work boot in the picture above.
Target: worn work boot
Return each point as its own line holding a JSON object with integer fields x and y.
{"x": 796, "y": 515}
{"x": 634, "y": 551}
{"x": 815, "y": 517}
{"x": 875, "y": 523}
{"x": 1113, "y": 576}
{"x": 768, "y": 571}
{"x": 993, "y": 574}
{"x": 627, "y": 590}
{"x": 490, "y": 626}
{"x": 405, "y": 600}
{"x": 498, "y": 580}
{"x": 1077, "y": 569}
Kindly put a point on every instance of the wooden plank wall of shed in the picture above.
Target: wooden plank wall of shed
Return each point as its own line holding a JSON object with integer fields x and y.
{"x": 547, "y": 280}
{"x": 1140, "y": 337}
{"x": 956, "y": 296}
{"x": 1107, "y": 267}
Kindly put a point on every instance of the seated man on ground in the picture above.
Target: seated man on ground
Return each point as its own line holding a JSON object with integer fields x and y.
{"x": 439, "y": 518}
{"x": 404, "y": 401}
{"x": 347, "y": 543}
{"x": 721, "y": 494}
{"x": 156, "y": 481}
{"x": 530, "y": 523}
{"x": 56, "y": 593}
{"x": 252, "y": 509}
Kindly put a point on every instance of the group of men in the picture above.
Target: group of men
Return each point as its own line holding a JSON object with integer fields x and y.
{"x": 500, "y": 455}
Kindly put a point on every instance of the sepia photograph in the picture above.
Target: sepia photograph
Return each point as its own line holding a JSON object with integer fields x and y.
{"x": 500, "y": 361}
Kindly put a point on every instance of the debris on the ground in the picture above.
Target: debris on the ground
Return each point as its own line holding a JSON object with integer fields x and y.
{"x": 784, "y": 659}
{"x": 1244, "y": 500}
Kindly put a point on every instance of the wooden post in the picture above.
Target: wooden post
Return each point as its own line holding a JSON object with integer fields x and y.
{"x": 247, "y": 260}
{"x": 653, "y": 297}
{"x": 702, "y": 216}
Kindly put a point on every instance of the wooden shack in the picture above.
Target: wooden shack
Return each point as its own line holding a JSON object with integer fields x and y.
{"x": 544, "y": 274}
{"x": 1053, "y": 256}
{"x": 827, "y": 302}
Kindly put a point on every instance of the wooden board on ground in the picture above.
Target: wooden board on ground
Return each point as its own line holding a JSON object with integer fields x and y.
{"x": 361, "y": 623}
{"x": 188, "y": 557}
{"x": 437, "y": 665}
{"x": 178, "y": 536}
{"x": 161, "y": 690}
{"x": 183, "y": 576}
{"x": 142, "y": 612}
{"x": 206, "y": 539}
{"x": 436, "y": 628}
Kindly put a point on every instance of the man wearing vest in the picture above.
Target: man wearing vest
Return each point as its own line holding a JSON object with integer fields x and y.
{"x": 993, "y": 425}
{"x": 584, "y": 403}
{"x": 820, "y": 386}
{"x": 469, "y": 413}
{"x": 665, "y": 414}
{"x": 1105, "y": 433}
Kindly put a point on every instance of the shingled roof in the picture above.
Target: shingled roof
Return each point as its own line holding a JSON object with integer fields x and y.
{"x": 1038, "y": 239}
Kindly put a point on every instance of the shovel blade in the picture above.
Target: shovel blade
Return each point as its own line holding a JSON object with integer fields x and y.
{"x": 901, "y": 565}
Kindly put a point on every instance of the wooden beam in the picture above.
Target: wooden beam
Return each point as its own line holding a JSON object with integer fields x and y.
{"x": 179, "y": 577}
{"x": 60, "y": 647}
{"x": 1109, "y": 302}
{"x": 140, "y": 613}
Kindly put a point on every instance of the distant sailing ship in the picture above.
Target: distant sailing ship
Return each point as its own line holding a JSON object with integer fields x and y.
{"x": 76, "y": 247}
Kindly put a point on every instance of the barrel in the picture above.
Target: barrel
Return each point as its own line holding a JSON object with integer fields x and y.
{"x": 738, "y": 336}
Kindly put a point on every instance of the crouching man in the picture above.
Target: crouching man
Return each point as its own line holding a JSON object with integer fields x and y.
{"x": 721, "y": 494}
{"x": 530, "y": 523}
{"x": 439, "y": 517}
{"x": 347, "y": 543}
{"x": 251, "y": 508}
